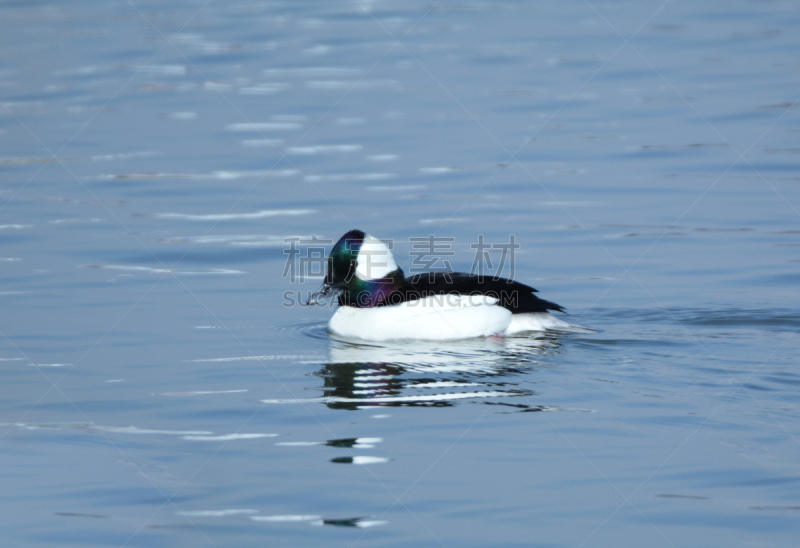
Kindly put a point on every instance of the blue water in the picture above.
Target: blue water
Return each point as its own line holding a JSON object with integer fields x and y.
{"x": 156, "y": 391}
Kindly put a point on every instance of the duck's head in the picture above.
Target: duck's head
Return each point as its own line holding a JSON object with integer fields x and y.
{"x": 362, "y": 270}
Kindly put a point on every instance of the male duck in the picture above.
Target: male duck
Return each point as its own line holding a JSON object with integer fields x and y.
{"x": 377, "y": 302}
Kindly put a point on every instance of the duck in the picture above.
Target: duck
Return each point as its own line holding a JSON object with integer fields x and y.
{"x": 377, "y": 302}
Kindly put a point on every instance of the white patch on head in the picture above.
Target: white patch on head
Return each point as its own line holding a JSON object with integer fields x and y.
{"x": 375, "y": 259}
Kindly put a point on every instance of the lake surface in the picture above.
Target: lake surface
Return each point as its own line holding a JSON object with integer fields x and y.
{"x": 156, "y": 162}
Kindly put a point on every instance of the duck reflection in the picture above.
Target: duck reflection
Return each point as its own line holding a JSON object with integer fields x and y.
{"x": 429, "y": 374}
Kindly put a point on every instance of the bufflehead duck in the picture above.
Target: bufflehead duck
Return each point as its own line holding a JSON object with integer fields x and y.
{"x": 377, "y": 302}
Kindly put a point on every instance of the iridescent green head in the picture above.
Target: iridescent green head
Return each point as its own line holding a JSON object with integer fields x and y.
{"x": 362, "y": 270}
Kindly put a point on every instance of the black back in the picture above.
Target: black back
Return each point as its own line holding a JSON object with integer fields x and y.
{"x": 514, "y": 296}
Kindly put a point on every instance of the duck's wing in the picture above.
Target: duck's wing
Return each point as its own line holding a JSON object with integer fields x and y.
{"x": 514, "y": 296}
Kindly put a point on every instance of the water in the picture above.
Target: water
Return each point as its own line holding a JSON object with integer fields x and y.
{"x": 156, "y": 392}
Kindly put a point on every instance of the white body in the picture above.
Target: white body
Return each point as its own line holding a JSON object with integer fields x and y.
{"x": 539, "y": 321}
{"x": 440, "y": 317}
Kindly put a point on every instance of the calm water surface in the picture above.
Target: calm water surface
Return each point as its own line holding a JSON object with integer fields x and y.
{"x": 157, "y": 392}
